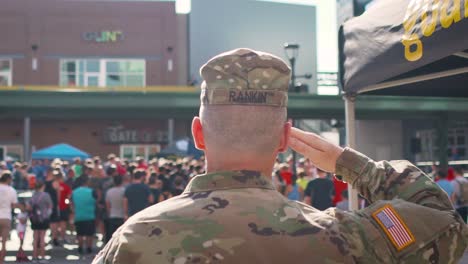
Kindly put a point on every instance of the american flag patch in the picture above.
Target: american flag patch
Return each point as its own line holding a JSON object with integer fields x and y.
{"x": 394, "y": 227}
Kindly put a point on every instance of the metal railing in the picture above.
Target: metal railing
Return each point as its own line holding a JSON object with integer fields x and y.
{"x": 452, "y": 162}
{"x": 145, "y": 89}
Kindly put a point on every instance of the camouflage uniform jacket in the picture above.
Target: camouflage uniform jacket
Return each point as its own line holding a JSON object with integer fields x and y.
{"x": 238, "y": 217}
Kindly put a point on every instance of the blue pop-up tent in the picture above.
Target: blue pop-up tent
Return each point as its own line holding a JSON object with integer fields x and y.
{"x": 61, "y": 151}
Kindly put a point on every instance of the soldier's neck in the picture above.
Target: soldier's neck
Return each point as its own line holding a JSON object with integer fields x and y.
{"x": 216, "y": 166}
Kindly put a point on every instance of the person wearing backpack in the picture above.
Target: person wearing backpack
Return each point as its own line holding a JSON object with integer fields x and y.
{"x": 460, "y": 187}
{"x": 40, "y": 210}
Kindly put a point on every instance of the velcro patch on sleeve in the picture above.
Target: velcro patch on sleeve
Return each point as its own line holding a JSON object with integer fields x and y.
{"x": 395, "y": 228}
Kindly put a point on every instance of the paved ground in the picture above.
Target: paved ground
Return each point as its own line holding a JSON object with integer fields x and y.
{"x": 68, "y": 252}
{"x": 465, "y": 258}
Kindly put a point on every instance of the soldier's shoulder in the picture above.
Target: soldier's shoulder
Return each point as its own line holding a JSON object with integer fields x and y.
{"x": 183, "y": 206}
{"x": 416, "y": 233}
{"x": 158, "y": 211}
{"x": 397, "y": 231}
{"x": 159, "y": 233}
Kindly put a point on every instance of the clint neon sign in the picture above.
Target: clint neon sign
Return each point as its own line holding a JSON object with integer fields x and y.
{"x": 104, "y": 36}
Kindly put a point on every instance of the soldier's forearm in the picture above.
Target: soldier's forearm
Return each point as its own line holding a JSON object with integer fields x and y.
{"x": 385, "y": 180}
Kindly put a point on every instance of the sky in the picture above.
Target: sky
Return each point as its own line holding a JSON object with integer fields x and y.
{"x": 327, "y": 36}
{"x": 327, "y": 32}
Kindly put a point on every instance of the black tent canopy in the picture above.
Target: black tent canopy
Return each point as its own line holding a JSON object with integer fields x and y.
{"x": 407, "y": 47}
{"x": 404, "y": 47}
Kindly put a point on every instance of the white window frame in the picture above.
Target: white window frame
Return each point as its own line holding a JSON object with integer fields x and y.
{"x": 9, "y": 74}
{"x": 134, "y": 146}
{"x": 77, "y": 66}
{"x": 429, "y": 147}
{"x": 5, "y": 151}
{"x": 144, "y": 69}
{"x": 104, "y": 69}
{"x": 91, "y": 74}
{"x": 455, "y": 133}
{"x": 102, "y": 74}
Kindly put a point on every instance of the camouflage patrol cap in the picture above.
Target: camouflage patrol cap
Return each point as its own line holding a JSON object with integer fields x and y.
{"x": 245, "y": 77}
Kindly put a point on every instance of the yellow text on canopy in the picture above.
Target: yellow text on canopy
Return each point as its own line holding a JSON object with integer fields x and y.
{"x": 422, "y": 19}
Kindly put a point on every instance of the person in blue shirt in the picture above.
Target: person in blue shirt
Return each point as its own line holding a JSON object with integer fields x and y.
{"x": 294, "y": 191}
{"x": 9, "y": 163}
{"x": 84, "y": 205}
{"x": 38, "y": 169}
{"x": 445, "y": 184}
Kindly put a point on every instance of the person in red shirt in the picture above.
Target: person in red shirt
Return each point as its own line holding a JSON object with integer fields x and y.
{"x": 63, "y": 202}
{"x": 141, "y": 163}
{"x": 340, "y": 186}
{"x": 286, "y": 174}
{"x": 112, "y": 159}
{"x": 121, "y": 170}
{"x": 450, "y": 174}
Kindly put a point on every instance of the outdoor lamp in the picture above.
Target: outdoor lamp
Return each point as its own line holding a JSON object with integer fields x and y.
{"x": 291, "y": 50}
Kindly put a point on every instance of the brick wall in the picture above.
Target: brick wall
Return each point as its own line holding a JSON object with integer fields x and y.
{"x": 83, "y": 134}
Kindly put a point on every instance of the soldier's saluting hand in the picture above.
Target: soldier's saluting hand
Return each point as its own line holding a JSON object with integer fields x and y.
{"x": 321, "y": 152}
{"x": 414, "y": 216}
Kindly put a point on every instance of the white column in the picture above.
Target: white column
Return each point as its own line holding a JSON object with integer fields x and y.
{"x": 27, "y": 139}
{"x": 170, "y": 131}
{"x": 351, "y": 142}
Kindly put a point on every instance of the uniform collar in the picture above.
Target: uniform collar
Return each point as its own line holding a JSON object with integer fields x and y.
{"x": 229, "y": 180}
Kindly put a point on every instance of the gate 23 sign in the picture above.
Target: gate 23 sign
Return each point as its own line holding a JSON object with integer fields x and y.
{"x": 103, "y": 36}
{"x": 120, "y": 135}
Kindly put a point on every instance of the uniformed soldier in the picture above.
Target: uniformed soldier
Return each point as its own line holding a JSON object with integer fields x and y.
{"x": 233, "y": 214}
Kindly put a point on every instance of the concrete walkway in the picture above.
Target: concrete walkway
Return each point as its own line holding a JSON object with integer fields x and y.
{"x": 67, "y": 253}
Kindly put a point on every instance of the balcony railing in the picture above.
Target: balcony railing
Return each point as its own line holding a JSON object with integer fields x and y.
{"x": 146, "y": 89}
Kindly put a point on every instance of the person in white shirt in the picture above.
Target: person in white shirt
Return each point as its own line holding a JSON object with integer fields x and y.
{"x": 460, "y": 190}
{"x": 9, "y": 200}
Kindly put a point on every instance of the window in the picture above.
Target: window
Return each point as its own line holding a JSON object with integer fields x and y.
{"x": 457, "y": 143}
{"x": 428, "y": 145}
{"x": 148, "y": 152}
{"x": 14, "y": 152}
{"x": 5, "y": 72}
{"x": 124, "y": 73}
{"x": 457, "y": 146}
{"x": 451, "y": 141}
{"x": 102, "y": 73}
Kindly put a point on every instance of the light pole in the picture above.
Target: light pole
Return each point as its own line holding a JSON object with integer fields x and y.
{"x": 291, "y": 51}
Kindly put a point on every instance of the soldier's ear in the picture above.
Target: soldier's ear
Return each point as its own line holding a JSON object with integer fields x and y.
{"x": 284, "y": 140}
{"x": 197, "y": 133}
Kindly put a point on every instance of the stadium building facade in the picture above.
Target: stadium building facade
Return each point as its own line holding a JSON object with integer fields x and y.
{"x": 121, "y": 77}
{"x": 91, "y": 47}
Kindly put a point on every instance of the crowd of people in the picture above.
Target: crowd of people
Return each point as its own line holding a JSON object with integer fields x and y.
{"x": 453, "y": 182}
{"x": 85, "y": 196}
{"x": 312, "y": 185}
{"x": 90, "y": 196}
{"x": 321, "y": 190}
